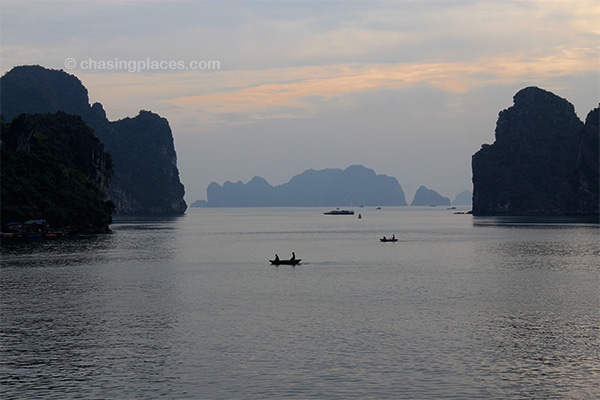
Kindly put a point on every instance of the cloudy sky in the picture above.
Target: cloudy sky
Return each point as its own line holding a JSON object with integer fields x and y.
{"x": 410, "y": 89}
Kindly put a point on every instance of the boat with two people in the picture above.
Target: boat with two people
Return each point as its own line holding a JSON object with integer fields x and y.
{"x": 292, "y": 261}
{"x": 392, "y": 239}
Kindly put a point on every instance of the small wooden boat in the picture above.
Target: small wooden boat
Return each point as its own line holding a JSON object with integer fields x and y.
{"x": 295, "y": 261}
{"x": 384, "y": 239}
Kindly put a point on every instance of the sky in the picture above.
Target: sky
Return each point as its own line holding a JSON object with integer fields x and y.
{"x": 410, "y": 89}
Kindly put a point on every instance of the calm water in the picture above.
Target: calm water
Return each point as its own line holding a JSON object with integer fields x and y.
{"x": 189, "y": 307}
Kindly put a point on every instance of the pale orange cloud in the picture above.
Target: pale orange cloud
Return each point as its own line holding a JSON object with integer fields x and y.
{"x": 255, "y": 93}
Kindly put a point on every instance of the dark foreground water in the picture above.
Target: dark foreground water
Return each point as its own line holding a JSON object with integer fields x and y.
{"x": 189, "y": 307}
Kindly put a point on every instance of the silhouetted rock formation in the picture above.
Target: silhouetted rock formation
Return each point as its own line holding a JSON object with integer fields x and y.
{"x": 144, "y": 155}
{"x": 464, "y": 198}
{"x": 54, "y": 168}
{"x": 354, "y": 186}
{"x": 584, "y": 184}
{"x": 428, "y": 197}
{"x": 35, "y": 89}
{"x": 532, "y": 168}
{"x": 146, "y": 178}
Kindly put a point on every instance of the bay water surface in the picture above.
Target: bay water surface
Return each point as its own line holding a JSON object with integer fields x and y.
{"x": 189, "y": 307}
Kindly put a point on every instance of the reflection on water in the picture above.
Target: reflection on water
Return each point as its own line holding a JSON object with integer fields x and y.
{"x": 91, "y": 315}
{"x": 543, "y": 333}
{"x": 533, "y": 242}
{"x": 551, "y": 255}
{"x": 538, "y": 221}
{"x": 544, "y": 355}
{"x": 56, "y": 251}
{"x": 132, "y": 238}
{"x": 190, "y": 308}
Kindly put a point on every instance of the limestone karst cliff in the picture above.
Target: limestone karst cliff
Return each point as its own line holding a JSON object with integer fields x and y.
{"x": 583, "y": 187}
{"x": 146, "y": 177}
{"x": 536, "y": 164}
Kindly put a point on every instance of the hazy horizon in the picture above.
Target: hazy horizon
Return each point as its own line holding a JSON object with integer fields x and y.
{"x": 271, "y": 89}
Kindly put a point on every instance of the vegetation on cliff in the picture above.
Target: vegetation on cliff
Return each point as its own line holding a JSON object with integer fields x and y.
{"x": 54, "y": 168}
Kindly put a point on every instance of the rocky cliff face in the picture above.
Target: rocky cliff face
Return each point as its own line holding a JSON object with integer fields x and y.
{"x": 146, "y": 178}
{"x": 582, "y": 191}
{"x": 529, "y": 168}
{"x": 144, "y": 155}
{"x": 354, "y": 186}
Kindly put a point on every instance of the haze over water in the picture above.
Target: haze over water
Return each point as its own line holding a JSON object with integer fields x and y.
{"x": 189, "y": 307}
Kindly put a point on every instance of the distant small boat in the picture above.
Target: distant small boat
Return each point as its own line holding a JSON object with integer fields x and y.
{"x": 295, "y": 261}
{"x": 392, "y": 239}
{"x": 337, "y": 211}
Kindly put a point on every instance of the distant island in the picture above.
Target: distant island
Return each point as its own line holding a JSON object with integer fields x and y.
{"x": 545, "y": 161}
{"x": 354, "y": 186}
{"x": 428, "y": 197}
{"x": 464, "y": 198}
{"x": 146, "y": 177}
